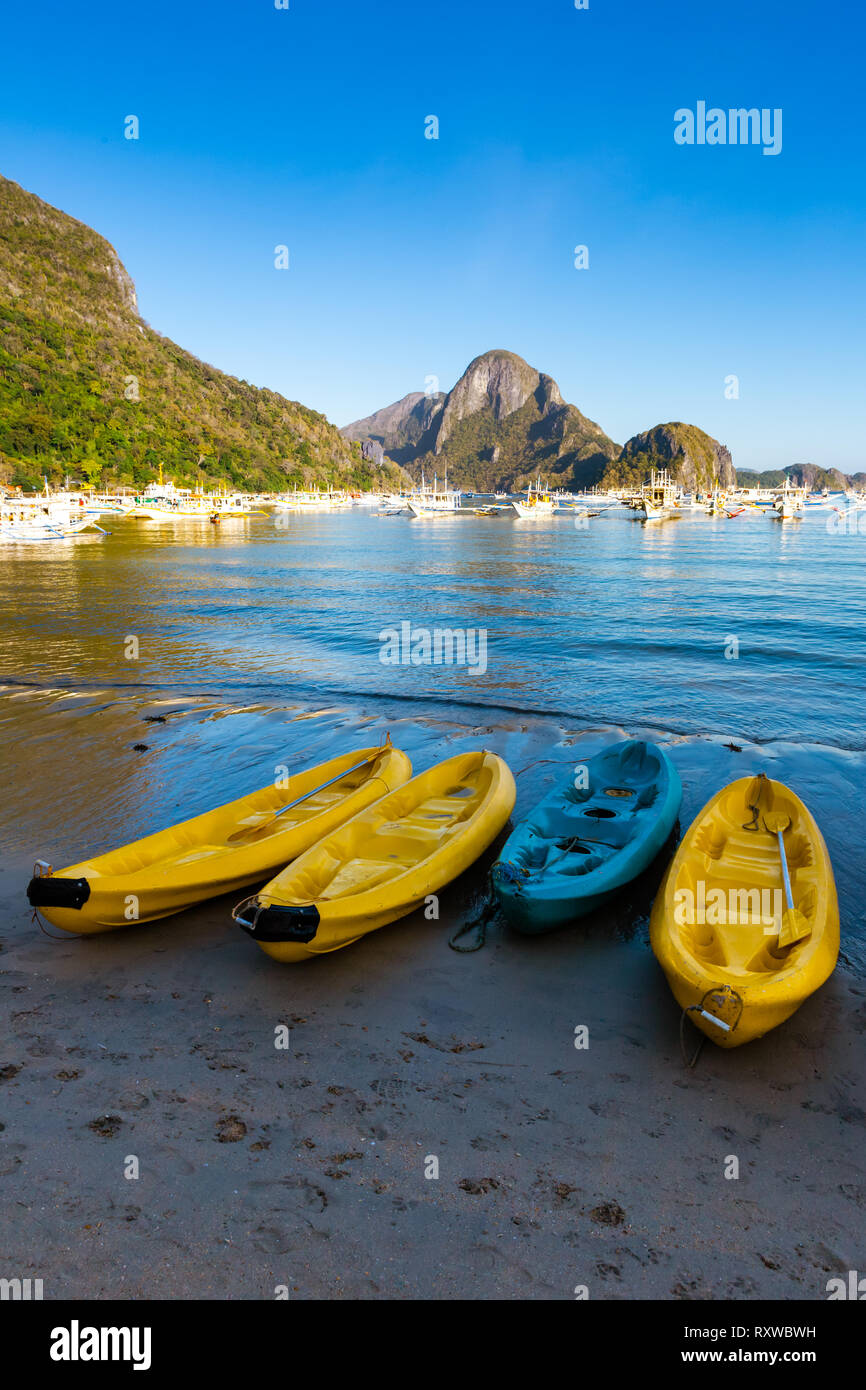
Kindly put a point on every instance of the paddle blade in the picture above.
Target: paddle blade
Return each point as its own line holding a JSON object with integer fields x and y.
{"x": 776, "y": 821}
{"x": 795, "y": 927}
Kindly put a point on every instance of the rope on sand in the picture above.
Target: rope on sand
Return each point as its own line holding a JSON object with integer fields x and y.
{"x": 477, "y": 922}
{"x": 42, "y": 927}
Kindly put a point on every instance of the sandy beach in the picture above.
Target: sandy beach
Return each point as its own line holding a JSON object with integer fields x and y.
{"x": 304, "y": 1167}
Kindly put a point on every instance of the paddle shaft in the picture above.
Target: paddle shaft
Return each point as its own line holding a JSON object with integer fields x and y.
{"x": 339, "y": 777}
{"x": 254, "y": 829}
{"x": 786, "y": 879}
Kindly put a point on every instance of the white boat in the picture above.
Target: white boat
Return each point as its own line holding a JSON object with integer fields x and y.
{"x": 41, "y": 519}
{"x": 312, "y": 500}
{"x": 789, "y": 504}
{"x": 163, "y": 501}
{"x": 107, "y": 504}
{"x": 658, "y": 497}
{"x": 391, "y": 502}
{"x": 433, "y": 500}
{"x": 537, "y": 503}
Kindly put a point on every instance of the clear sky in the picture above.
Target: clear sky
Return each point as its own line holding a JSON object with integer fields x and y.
{"x": 409, "y": 256}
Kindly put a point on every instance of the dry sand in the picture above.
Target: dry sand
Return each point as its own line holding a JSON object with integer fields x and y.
{"x": 305, "y": 1167}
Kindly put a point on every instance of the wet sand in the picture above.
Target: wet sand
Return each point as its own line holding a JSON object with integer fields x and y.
{"x": 305, "y": 1167}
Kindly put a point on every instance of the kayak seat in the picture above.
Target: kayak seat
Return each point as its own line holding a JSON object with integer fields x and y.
{"x": 702, "y": 943}
{"x": 575, "y": 865}
{"x": 360, "y": 875}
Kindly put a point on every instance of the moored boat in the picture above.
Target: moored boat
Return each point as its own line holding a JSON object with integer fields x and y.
{"x": 41, "y": 519}
{"x": 536, "y": 503}
{"x": 658, "y": 497}
{"x": 589, "y": 838}
{"x": 433, "y": 500}
{"x": 218, "y": 852}
{"x": 384, "y": 863}
{"x": 717, "y": 924}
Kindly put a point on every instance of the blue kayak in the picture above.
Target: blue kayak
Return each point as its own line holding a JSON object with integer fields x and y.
{"x": 588, "y": 839}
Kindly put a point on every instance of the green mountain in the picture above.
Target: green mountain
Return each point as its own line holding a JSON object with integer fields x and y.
{"x": 693, "y": 458}
{"x": 501, "y": 425}
{"x": 87, "y": 388}
{"x": 801, "y": 475}
{"x": 504, "y": 423}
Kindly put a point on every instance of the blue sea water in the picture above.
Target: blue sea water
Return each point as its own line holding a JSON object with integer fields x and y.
{"x": 261, "y": 641}
{"x": 699, "y": 625}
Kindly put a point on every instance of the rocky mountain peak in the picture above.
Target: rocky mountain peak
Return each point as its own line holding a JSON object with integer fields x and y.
{"x": 498, "y": 381}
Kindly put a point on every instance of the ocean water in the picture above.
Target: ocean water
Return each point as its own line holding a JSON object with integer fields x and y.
{"x": 620, "y": 622}
{"x": 262, "y": 640}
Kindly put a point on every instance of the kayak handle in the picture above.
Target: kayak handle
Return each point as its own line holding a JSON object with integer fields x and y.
{"x": 711, "y": 1018}
{"x": 239, "y": 908}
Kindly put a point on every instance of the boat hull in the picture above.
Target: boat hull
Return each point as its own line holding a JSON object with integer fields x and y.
{"x": 384, "y": 863}
{"x": 197, "y": 859}
{"x": 539, "y": 509}
{"x": 733, "y": 969}
{"x": 581, "y": 845}
{"x": 27, "y": 531}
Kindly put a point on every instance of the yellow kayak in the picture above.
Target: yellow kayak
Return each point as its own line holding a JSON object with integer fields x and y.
{"x": 385, "y": 862}
{"x": 218, "y": 852}
{"x": 716, "y": 922}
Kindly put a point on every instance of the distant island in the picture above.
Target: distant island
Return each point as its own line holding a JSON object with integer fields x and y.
{"x": 504, "y": 423}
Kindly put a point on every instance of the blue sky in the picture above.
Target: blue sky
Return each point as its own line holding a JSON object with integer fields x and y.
{"x": 408, "y": 256}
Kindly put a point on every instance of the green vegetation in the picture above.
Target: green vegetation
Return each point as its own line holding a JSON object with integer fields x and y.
{"x": 89, "y": 390}
{"x": 484, "y": 454}
{"x": 633, "y": 471}
{"x": 692, "y": 457}
{"x": 773, "y": 477}
{"x": 799, "y": 474}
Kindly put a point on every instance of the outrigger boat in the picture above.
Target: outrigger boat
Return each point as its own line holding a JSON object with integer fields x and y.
{"x": 433, "y": 501}
{"x": 162, "y": 501}
{"x": 314, "y": 501}
{"x": 26, "y": 519}
{"x": 658, "y": 498}
{"x": 537, "y": 503}
{"x": 788, "y": 504}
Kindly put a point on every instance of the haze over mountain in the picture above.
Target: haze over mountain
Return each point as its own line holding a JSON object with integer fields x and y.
{"x": 504, "y": 423}
{"x": 89, "y": 389}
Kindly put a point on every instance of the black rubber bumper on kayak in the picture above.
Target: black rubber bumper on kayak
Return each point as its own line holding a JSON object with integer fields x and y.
{"x": 58, "y": 892}
{"x": 282, "y": 923}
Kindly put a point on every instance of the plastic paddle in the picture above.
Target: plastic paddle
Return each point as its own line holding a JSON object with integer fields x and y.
{"x": 251, "y": 830}
{"x": 794, "y": 925}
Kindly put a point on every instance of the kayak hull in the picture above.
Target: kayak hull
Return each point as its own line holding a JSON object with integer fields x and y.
{"x": 173, "y": 869}
{"x": 715, "y": 921}
{"x": 386, "y": 862}
{"x": 584, "y": 842}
